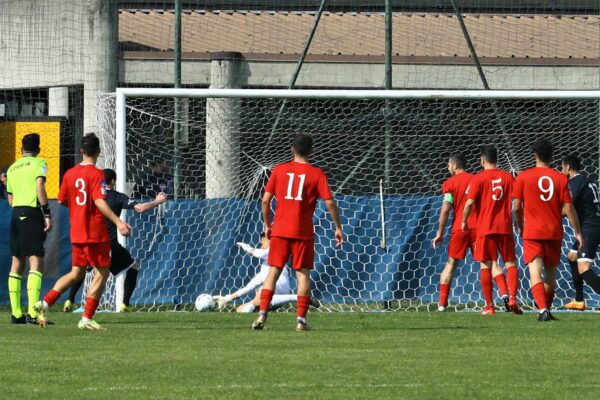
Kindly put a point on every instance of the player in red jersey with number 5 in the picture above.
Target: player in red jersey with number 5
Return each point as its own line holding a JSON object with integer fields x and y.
{"x": 83, "y": 191}
{"x": 542, "y": 197}
{"x": 490, "y": 191}
{"x": 296, "y": 186}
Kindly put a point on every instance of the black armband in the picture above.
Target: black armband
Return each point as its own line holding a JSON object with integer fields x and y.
{"x": 46, "y": 211}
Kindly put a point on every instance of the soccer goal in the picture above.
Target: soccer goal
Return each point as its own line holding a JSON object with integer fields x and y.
{"x": 385, "y": 153}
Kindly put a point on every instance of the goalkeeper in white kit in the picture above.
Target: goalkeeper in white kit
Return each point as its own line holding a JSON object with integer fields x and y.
{"x": 282, "y": 290}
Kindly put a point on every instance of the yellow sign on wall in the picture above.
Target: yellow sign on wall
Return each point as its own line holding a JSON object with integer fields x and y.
{"x": 11, "y": 133}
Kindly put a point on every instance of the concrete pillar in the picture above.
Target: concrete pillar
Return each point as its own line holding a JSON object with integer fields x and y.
{"x": 222, "y": 128}
{"x": 101, "y": 61}
{"x": 58, "y": 101}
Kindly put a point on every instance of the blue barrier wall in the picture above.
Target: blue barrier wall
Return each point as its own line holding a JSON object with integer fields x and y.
{"x": 190, "y": 249}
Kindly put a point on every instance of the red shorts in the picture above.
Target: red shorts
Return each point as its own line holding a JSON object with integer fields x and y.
{"x": 487, "y": 248}
{"x": 460, "y": 242}
{"x": 301, "y": 250}
{"x": 549, "y": 250}
{"x": 91, "y": 254}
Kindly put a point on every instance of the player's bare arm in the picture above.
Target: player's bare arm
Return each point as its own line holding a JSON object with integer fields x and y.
{"x": 518, "y": 210}
{"x": 143, "y": 207}
{"x": 444, "y": 216}
{"x": 335, "y": 215}
{"x": 569, "y": 211}
{"x": 40, "y": 185}
{"x": 124, "y": 228}
{"x": 266, "y": 212}
{"x": 9, "y": 198}
{"x": 466, "y": 212}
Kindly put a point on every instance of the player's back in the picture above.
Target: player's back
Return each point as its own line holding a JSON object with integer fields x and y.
{"x": 80, "y": 187}
{"x": 493, "y": 188}
{"x": 457, "y": 186}
{"x": 543, "y": 191}
{"x": 296, "y": 187}
{"x": 586, "y": 200}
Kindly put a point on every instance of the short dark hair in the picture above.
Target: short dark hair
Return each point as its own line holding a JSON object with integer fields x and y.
{"x": 573, "y": 162}
{"x": 110, "y": 175}
{"x": 303, "y": 145}
{"x": 489, "y": 153}
{"x": 459, "y": 160}
{"x": 90, "y": 144}
{"x": 263, "y": 235}
{"x": 544, "y": 149}
{"x": 31, "y": 142}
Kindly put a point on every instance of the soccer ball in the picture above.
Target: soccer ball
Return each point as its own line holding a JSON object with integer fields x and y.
{"x": 205, "y": 302}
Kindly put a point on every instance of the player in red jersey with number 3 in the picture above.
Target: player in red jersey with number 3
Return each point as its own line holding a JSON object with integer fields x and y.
{"x": 542, "y": 197}
{"x": 83, "y": 191}
{"x": 296, "y": 186}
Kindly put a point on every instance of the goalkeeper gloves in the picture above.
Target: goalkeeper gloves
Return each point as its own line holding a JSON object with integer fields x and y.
{"x": 246, "y": 247}
{"x": 222, "y": 301}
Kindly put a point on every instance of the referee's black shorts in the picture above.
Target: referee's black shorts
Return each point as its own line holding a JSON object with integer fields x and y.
{"x": 591, "y": 241}
{"x": 27, "y": 234}
{"x": 120, "y": 258}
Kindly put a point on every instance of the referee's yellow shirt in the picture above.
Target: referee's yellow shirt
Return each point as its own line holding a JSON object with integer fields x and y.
{"x": 21, "y": 180}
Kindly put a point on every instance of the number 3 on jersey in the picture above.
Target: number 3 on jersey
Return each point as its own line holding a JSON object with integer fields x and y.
{"x": 290, "y": 186}
{"x": 80, "y": 186}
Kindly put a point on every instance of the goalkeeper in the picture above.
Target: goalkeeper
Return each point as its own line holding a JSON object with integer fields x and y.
{"x": 282, "y": 291}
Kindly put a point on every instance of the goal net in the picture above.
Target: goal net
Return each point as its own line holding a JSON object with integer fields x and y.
{"x": 386, "y": 157}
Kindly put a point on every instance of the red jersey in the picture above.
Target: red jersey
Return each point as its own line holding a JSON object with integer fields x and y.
{"x": 296, "y": 187}
{"x": 543, "y": 192}
{"x": 491, "y": 189}
{"x": 457, "y": 186}
{"x": 80, "y": 187}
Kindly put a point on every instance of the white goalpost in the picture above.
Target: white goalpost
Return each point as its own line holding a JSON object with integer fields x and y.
{"x": 213, "y": 156}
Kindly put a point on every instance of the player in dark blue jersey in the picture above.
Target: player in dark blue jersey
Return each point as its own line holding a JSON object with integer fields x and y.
{"x": 123, "y": 266}
{"x": 586, "y": 200}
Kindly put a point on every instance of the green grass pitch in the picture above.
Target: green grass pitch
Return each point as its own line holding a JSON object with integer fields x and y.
{"x": 404, "y": 355}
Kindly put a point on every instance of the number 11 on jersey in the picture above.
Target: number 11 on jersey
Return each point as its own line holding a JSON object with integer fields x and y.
{"x": 290, "y": 186}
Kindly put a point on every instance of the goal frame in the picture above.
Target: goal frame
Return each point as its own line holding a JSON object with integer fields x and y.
{"x": 123, "y": 93}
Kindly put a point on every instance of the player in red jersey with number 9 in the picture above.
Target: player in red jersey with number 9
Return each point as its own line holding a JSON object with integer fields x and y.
{"x": 83, "y": 191}
{"x": 296, "y": 186}
{"x": 542, "y": 197}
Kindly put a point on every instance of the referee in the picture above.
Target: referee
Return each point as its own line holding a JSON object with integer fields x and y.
{"x": 26, "y": 193}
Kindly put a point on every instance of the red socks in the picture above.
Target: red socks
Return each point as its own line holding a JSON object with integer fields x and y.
{"x": 91, "y": 304}
{"x": 501, "y": 283}
{"x": 485, "y": 275}
{"x": 549, "y": 298}
{"x": 512, "y": 276}
{"x": 539, "y": 295}
{"x": 266, "y": 296}
{"x": 51, "y": 297}
{"x": 302, "y": 305}
{"x": 444, "y": 291}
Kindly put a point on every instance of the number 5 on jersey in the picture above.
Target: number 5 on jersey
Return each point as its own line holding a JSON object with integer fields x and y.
{"x": 497, "y": 186}
{"x": 290, "y": 186}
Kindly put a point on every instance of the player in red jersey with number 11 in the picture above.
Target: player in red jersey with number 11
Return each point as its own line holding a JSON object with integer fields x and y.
{"x": 296, "y": 185}
{"x": 83, "y": 191}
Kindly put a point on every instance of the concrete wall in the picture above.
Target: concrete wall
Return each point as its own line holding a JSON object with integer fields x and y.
{"x": 58, "y": 43}
{"x": 370, "y": 75}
